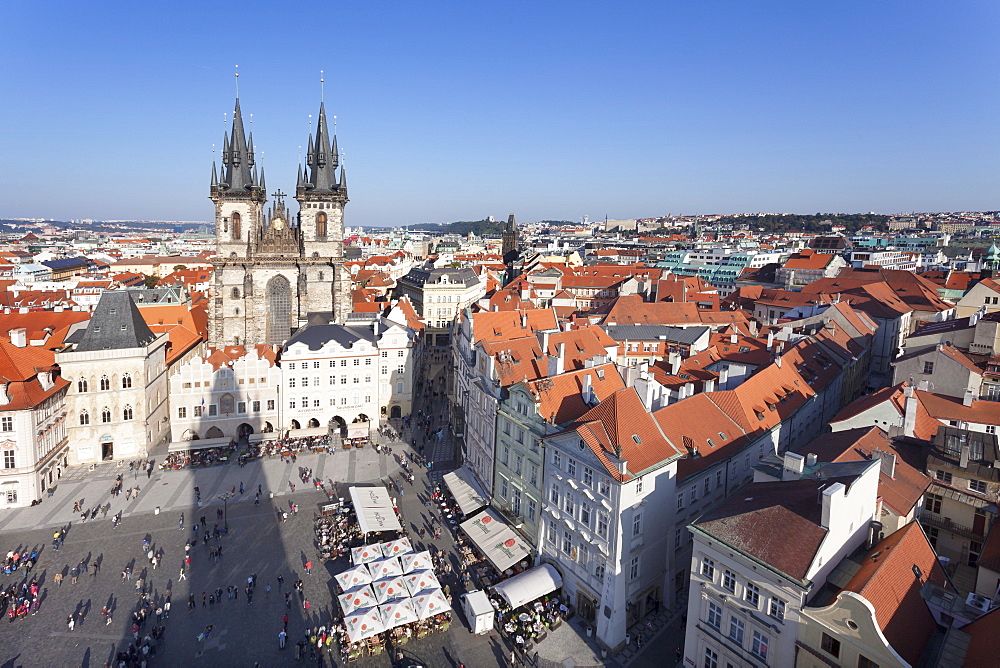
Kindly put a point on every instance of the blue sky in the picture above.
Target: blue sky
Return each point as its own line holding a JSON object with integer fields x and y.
{"x": 455, "y": 111}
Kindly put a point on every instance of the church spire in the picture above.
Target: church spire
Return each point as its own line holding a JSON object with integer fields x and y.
{"x": 237, "y": 156}
{"x": 322, "y": 158}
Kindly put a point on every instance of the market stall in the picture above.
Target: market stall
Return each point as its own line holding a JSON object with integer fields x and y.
{"x": 420, "y": 581}
{"x": 479, "y": 611}
{"x": 530, "y": 585}
{"x": 374, "y": 509}
{"x": 430, "y": 603}
{"x": 364, "y": 554}
{"x": 385, "y": 568}
{"x": 397, "y": 547}
{"x": 418, "y": 561}
{"x": 361, "y": 598}
{"x": 353, "y": 578}
{"x": 390, "y": 589}
{"x": 467, "y": 493}
{"x": 363, "y": 624}
{"x": 358, "y": 434}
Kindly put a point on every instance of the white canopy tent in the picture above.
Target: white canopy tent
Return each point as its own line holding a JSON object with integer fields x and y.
{"x": 366, "y": 553}
{"x": 308, "y": 431}
{"x": 419, "y": 581}
{"x": 385, "y": 568}
{"x": 430, "y": 603}
{"x": 263, "y": 436}
{"x": 419, "y": 561}
{"x": 530, "y": 585}
{"x": 358, "y": 599}
{"x": 390, "y": 589}
{"x": 467, "y": 492}
{"x": 363, "y": 624}
{"x": 202, "y": 444}
{"x": 395, "y": 548}
{"x": 397, "y": 613}
{"x": 373, "y": 506}
{"x": 502, "y": 547}
{"x": 353, "y": 578}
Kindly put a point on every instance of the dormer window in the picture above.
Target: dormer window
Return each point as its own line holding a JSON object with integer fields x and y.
{"x": 635, "y": 437}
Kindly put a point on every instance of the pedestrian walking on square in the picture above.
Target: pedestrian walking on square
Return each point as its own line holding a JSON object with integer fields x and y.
{"x": 166, "y": 608}
{"x": 180, "y": 523}
{"x": 203, "y": 599}
{"x": 281, "y": 581}
{"x": 58, "y": 577}
{"x": 70, "y": 622}
{"x": 241, "y": 486}
{"x": 309, "y": 568}
{"x": 182, "y": 576}
{"x": 282, "y": 635}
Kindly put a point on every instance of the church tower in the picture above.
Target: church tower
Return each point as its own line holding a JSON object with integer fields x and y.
{"x": 508, "y": 244}
{"x": 272, "y": 274}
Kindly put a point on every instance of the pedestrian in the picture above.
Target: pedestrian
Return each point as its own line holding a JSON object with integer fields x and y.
{"x": 281, "y": 581}
{"x": 267, "y": 590}
{"x": 309, "y": 568}
{"x": 241, "y": 486}
{"x": 58, "y": 577}
{"x": 166, "y": 608}
{"x": 182, "y": 576}
{"x": 180, "y": 524}
{"x": 203, "y": 598}
{"x": 282, "y": 635}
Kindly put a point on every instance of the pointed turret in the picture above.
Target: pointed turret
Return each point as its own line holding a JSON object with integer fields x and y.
{"x": 236, "y": 158}
{"x": 263, "y": 186}
{"x": 343, "y": 179}
{"x": 215, "y": 180}
{"x": 299, "y": 182}
{"x": 321, "y": 158}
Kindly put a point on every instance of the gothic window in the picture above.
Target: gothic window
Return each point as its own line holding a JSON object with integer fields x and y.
{"x": 84, "y": 417}
{"x": 320, "y": 224}
{"x": 105, "y": 414}
{"x": 321, "y": 275}
{"x": 127, "y": 412}
{"x": 227, "y": 404}
{"x": 236, "y": 293}
{"x": 126, "y": 381}
{"x": 237, "y": 228}
{"x": 279, "y": 309}
{"x": 105, "y": 383}
{"x": 81, "y": 385}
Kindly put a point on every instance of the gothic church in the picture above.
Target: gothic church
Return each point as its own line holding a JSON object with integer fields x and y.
{"x": 272, "y": 271}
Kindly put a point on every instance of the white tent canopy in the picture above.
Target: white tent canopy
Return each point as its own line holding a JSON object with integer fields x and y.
{"x": 419, "y": 581}
{"x": 395, "y": 548}
{"x": 373, "y": 506}
{"x": 358, "y": 599}
{"x": 353, "y": 578}
{"x": 529, "y": 585}
{"x": 398, "y": 613}
{"x": 430, "y": 603}
{"x": 385, "y": 568}
{"x": 496, "y": 539}
{"x": 203, "y": 444}
{"x": 389, "y": 589}
{"x": 308, "y": 431}
{"x": 467, "y": 492}
{"x": 366, "y": 553}
{"x": 421, "y": 561}
{"x": 363, "y": 624}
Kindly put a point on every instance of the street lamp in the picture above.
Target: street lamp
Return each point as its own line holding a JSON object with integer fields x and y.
{"x": 225, "y": 509}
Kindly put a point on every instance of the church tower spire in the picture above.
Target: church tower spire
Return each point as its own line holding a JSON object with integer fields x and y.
{"x": 322, "y": 159}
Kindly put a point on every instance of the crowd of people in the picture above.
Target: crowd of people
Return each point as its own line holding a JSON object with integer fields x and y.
{"x": 337, "y": 532}
{"x": 195, "y": 457}
{"x": 288, "y": 447}
{"x": 529, "y": 624}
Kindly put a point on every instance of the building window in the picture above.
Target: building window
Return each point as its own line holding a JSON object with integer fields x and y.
{"x": 978, "y": 486}
{"x": 531, "y": 509}
{"x": 928, "y": 367}
{"x": 105, "y": 383}
{"x": 291, "y": 365}
{"x": 933, "y": 503}
{"x": 567, "y": 543}
{"x": 270, "y": 404}
{"x": 736, "y": 629}
{"x": 633, "y": 570}
{"x": 503, "y": 488}
{"x": 602, "y": 525}
{"x": 126, "y": 381}
{"x": 385, "y": 353}
{"x": 865, "y": 662}
{"x": 570, "y": 506}
{"x": 707, "y": 486}
{"x": 505, "y": 459}
{"x": 729, "y": 581}
{"x": 585, "y": 515}
{"x": 8, "y": 459}
{"x": 752, "y": 594}
{"x": 518, "y": 463}
{"x": 604, "y": 488}
{"x": 241, "y": 407}
{"x": 708, "y": 569}
{"x": 550, "y": 532}
{"x": 291, "y": 382}
{"x": 357, "y": 362}
{"x": 776, "y": 608}
{"x": 557, "y": 460}
{"x": 588, "y": 477}
{"x": 127, "y": 413}
{"x": 678, "y": 538}
{"x": 291, "y": 403}
{"x": 637, "y": 525}
{"x": 718, "y": 478}
{"x": 714, "y": 616}
{"x": 759, "y": 647}
{"x": 944, "y": 477}
{"x": 570, "y": 464}
{"x": 305, "y": 382}
{"x": 554, "y": 495}
{"x": 81, "y": 385}
{"x": 711, "y": 659}
{"x": 533, "y": 475}
{"x": 599, "y": 571}
{"x": 830, "y": 645}
{"x": 106, "y": 414}
{"x": 213, "y": 410}
{"x": 7, "y": 423}
{"x": 680, "y": 501}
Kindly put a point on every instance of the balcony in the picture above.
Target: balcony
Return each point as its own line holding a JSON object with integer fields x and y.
{"x": 930, "y": 519}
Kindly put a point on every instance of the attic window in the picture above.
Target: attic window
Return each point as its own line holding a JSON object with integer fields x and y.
{"x": 723, "y": 436}
{"x": 759, "y": 414}
{"x": 684, "y": 376}
{"x": 124, "y": 328}
{"x": 97, "y": 328}
{"x": 744, "y": 349}
{"x": 635, "y": 437}
{"x": 917, "y": 571}
{"x": 711, "y": 443}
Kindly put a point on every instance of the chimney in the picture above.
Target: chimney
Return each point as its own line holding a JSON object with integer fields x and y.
{"x": 732, "y": 338}
{"x": 18, "y": 337}
{"x": 794, "y": 465}
{"x": 709, "y": 385}
{"x": 770, "y": 338}
{"x": 561, "y": 360}
{"x": 723, "y": 377}
{"x": 909, "y": 413}
{"x": 524, "y": 320}
{"x": 587, "y": 389}
{"x": 675, "y": 363}
{"x": 811, "y": 459}
{"x": 874, "y": 533}
{"x": 777, "y": 360}
{"x": 968, "y": 398}
{"x": 963, "y": 459}
{"x": 832, "y": 498}
{"x": 887, "y": 462}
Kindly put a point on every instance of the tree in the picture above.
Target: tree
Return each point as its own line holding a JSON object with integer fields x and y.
{"x": 180, "y": 267}
{"x": 150, "y": 281}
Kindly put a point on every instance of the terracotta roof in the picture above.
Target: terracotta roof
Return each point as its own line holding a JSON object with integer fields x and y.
{"x": 984, "y": 641}
{"x": 560, "y": 397}
{"x": 890, "y": 579}
{"x": 632, "y": 310}
{"x": 809, "y": 259}
{"x": 516, "y": 359}
{"x": 501, "y": 325}
{"x": 777, "y": 523}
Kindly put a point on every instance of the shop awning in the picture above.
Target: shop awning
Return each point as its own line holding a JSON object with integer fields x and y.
{"x": 529, "y": 585}
{"x": 373, "y": 506}
{"x": 308, "y": 431}
{"x": 467, "y": 492}
{"x": 502, "y": 547}
{"x": 263, "y": 436}
{"x": 203, "y": 444}
{"x": 359, "y": 430}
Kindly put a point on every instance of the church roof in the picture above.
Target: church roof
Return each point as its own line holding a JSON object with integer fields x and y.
{"x": 115, "y": 324}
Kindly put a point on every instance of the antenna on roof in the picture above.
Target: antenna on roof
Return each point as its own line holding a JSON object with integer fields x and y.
{"x": 322, "y": 92}
{"x": 237, "y": 82}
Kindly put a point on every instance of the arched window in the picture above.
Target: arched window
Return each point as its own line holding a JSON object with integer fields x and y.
{"x": 237, "y": 228}
{"x": 127, "y": 412}
{"x": 279, "y": 309}
{"x": 84, "y": 417}
{"x": 236, "y": 293}
{"x": 81, "y": 385}
{"x": 105, "y": 414}
{"x": 105, "y": 383}
{"x": 321, "y": 224}
{"x": 126, "y": 381}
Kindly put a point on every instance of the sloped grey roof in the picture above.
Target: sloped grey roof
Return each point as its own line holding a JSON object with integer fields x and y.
{"x": 316, "y": 336}
{"x": 115, "y": 325}
{"x": 688, "y": 335}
